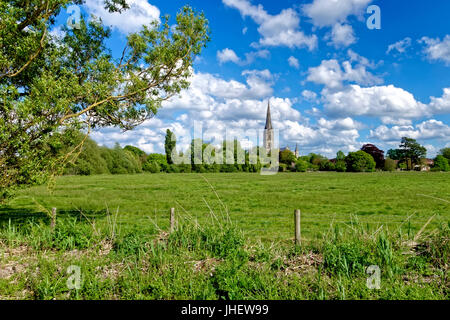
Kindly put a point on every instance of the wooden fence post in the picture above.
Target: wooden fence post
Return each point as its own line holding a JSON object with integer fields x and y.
{"x": 297, "y": 227}
{"x": 53, "y": 222}
{"x": 172, "y": 219}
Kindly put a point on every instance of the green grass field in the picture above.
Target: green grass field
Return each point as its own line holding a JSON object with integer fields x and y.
{"x": 262, "y": 206}
{"x": 115, "y": 227}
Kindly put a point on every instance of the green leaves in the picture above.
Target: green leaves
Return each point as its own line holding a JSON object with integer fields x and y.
{"x": 49, "y": 84}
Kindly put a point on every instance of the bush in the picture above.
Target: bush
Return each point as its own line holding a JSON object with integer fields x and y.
{"x": 316, "y": 159}
{"x": 173, "y": 168}
{"x": 301, "y": 166}
{"x": 326, "y": 165}
{"x": 121, "y": 161}
{"x": 360, "y": 161}
{"x": 152, "y": 167}
{"x": 89, "y": 161}
{"x": 185, "y": 168}
{"x": 340, "y": 166}
{"x": 287, "y": 157}
{"x": 390, "y": 165}
{"x": 155, "y": 163}
{"x": 441, "y": 164}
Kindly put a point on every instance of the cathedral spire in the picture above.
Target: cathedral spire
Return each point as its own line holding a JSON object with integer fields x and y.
{"x": 268, "y": 118}
{"x": 268, "y": 131}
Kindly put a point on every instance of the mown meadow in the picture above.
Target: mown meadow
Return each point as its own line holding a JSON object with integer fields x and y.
{"x": 234, "y": 237}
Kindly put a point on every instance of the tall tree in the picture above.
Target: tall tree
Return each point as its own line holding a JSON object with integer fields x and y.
{"x": 169, "y": 145}
{"x": 446, "y": 153}
{"x": 412, "y": 151}
{"x": 49, "y": 85}
{"x": 377, "y": 154}
{"x": 340, "y": 156}
{"x": 287, "y": 157}
{"x": 395, "y": 154}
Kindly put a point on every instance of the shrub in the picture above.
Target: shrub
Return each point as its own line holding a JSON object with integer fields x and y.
{"x": 360, "y": 161}
{"x": 155, "y": 163}
{"x": 287, "y": 157}
{"x": 185, "y": 168}
{"x": 89, "y": 161}
{"x": 441, "y": 164}
{"x": 301, "y": 166}
{"x": 326, "y": 165}
{"x": 390, "y": 165}
{"x": 173, "y": 168}
{"x": 121, "y": 161}
{"x": 340, "y": 166}
{"x": 152, "y": 167}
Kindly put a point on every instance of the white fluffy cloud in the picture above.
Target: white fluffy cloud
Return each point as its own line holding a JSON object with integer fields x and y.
{"x": 329, "y": 12}
{"x": 293, "y": 62}
{"x": 331, "y": 75}
{"x": 282, "y": 29}
{"x": 140, "y": 13}
{"x": 400, "y": 46}
{"x": 441, "y": 105}
{"x": 427, "y": 130}
{"x": 334, "y": 14}
{"x": 342, "y": 35}
{"x": 437, "y": 50}
{"x": 326, "y": 137}
{"x": 386, "y": 102}
{"x": 309, "y": 95}
{"x": 392, "y": 105}
{"x": 228, "y": 55}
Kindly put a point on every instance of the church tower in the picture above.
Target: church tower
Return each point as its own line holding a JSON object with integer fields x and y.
{"x": 297, "y": 154}
{"x": 268, "y": 131}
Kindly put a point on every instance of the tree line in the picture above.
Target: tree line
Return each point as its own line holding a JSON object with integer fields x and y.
{"x": 96, "y": 159}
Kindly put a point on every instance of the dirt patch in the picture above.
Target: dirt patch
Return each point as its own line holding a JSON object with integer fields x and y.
{"x": 302, "y": 263}
{"x": 14, "y": 260}
{"x": 112, "y": 271}
{"x": 204, "y": 266}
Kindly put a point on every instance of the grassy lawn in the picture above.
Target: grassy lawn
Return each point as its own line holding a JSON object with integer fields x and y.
{"x": 115, "y": 229}
{"x": 262, "y": 206}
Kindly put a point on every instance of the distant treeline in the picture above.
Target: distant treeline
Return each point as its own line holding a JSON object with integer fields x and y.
{"x": 94, "y": 159}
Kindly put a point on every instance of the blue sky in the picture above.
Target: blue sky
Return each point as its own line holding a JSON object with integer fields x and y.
{"x": 333, "y": 83}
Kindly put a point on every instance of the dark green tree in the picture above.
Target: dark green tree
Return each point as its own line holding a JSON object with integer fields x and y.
{"x": 340, "y": 156}
{"x": 326, "y": 165}
{"x": 441, "y": 164}
{"x": 140, "y": 154}
{"x": 360, "y": 161}
{"x": 170, "y": 144}
{"x": 395, "y": 154}
{"x": 287, "y": 157}
{"x": 301, "y": 165}
{"x": 390, "y": 164}
{"x": 412, "y": 152}
{"x": 340, "y": 166}
{"x": 446, "y": 153}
